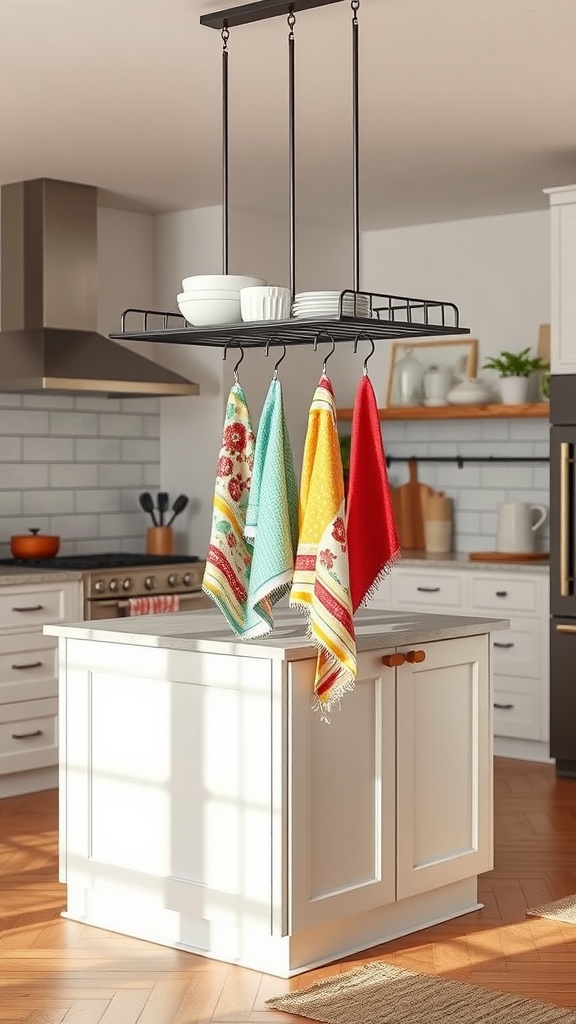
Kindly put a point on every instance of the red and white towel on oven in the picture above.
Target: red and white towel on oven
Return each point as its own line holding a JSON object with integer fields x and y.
{"x": 153, "y": 605}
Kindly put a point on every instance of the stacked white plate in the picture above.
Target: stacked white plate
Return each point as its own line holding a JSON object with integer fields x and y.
{"x": 326, "y": 304}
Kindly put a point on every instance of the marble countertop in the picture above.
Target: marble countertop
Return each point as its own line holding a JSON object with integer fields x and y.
{"x": 208, "y": 632}
{"x": 460, "y": 560}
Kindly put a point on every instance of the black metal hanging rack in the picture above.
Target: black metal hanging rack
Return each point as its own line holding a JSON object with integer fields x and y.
{"x": 391, "y": 316}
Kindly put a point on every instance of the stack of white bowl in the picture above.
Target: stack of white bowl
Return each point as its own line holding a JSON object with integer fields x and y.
{"x": 213, "y": 298}
{"x": 327, "y": 304}
{"x": 265, "y": 303}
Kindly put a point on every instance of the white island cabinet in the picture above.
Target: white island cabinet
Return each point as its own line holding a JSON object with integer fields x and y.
{"x": 205, "y": 806}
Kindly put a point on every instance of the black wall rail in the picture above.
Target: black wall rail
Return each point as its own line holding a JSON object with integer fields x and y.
{"x": 461, "y": 459}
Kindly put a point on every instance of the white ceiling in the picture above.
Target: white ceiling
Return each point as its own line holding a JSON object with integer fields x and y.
{"x": 468, "y": 107}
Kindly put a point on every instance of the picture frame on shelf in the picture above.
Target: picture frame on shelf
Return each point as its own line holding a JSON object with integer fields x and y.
{"x": 459, "y": 355}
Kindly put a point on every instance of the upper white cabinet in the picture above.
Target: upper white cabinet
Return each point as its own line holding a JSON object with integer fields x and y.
{"x": 563, "y": 270}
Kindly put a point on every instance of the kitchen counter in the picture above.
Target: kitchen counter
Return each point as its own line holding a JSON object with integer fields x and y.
{"x": 204, "y": 805}
{"x": 207, "y": 632}
{"x": 460, "y": 560}
{"x": 13, "y": 574}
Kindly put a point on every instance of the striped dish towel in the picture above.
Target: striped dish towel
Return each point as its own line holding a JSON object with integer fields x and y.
{"x": 272, "y": 514}
{"x": 321, "y": 586}
{"x": 154, "y": 605}
{"x": 229, "y": 559}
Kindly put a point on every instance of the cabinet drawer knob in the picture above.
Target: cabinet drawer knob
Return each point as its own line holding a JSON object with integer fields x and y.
{"x": 393, "y": 660}
{"x": 28, "y": 608}
{"x": 504, "y": 707}
{"x": 415, "y": 657}
{"x": 26, "y": 735}
{"x": 497, "y": 644}
{"x": 501, "y": 593}
{"x": 29, "y": 664}
{"x": 429, "y": 590}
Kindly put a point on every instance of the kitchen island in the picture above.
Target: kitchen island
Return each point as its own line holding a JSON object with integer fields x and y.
{"x": 204, "y": 806}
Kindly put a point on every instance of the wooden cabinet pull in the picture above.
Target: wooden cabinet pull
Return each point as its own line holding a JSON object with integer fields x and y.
{"x": 415, "y": 657}
{"x": 393, "y": 660}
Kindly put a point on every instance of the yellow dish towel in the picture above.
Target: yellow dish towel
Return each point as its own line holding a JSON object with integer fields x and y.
{"x": 321, "y": 586}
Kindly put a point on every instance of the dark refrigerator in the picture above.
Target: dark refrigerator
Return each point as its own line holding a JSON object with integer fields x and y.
{"x": 563, "y": 573}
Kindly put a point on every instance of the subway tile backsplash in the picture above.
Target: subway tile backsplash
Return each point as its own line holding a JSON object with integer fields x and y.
{"x": 74, "y": 465}
{"x": 477, "y": 487}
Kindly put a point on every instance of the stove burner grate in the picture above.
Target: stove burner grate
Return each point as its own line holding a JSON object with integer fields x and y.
{"x": 88, "y": 562}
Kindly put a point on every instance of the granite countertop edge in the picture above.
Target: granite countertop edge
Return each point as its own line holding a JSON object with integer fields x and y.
{"x": 200, "y": 631}
{"x": 11, "y": 576}
{"x": 460, "y": 560}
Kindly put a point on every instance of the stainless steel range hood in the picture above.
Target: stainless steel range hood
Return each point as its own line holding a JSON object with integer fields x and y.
{"x": 48, "y": 336}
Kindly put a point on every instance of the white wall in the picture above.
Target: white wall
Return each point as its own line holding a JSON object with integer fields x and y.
{"x": 497, "y": 271}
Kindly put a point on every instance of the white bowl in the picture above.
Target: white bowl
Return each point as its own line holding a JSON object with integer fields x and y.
{"x": 267, "y": 303}
{"x": 200, "y": 312}
{"x": 226, "y": 282}
{"x": 208, "y": 293}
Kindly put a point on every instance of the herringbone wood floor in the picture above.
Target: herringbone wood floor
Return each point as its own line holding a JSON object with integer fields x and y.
{"x": 52, "y": 970}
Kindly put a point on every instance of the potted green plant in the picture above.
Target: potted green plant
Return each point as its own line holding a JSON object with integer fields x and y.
{"x": 515, "y": 369}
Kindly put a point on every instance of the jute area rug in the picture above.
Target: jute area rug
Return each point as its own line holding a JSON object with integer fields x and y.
{"x": 382, "y": 994}
{"x": 561, "y": 910}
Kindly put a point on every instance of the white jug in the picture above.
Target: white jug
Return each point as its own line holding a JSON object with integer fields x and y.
{"x": 516, "y": 526}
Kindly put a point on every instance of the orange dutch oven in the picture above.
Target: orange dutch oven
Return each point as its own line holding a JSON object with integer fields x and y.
{"x": 34, "y": 545}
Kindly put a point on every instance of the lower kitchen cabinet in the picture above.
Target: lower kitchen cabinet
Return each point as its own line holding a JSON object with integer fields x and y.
{"x": 29, "y": 682}
{"x": 204, "y": 805}
{"x": 520, "y": 654}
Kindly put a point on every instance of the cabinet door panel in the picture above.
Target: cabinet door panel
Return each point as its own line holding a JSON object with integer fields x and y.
{"x": 177, "y": 812}
{"x": 28, "y": 667}
{"x": 28, "y": 735}
{"x": 518, "y": 650}
{"x": 444, "y": 765}
{"x": 342, "y": 798}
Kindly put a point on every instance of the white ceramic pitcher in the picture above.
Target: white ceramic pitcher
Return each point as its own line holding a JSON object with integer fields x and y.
{"x": 516, "y": 526}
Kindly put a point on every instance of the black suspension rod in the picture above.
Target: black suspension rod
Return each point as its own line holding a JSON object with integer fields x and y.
{"x": 225, "y": 192}
{"x": 355, "y": 150}
{"x": 292, "y": 151}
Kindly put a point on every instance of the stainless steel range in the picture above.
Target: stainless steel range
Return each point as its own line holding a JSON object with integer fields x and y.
{"x": 110, "y": 580}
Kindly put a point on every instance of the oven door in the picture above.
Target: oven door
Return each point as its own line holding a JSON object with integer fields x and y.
{"x": 119, "y": 607}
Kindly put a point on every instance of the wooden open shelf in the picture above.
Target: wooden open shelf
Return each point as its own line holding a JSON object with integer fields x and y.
{"x": 459, "y": 412}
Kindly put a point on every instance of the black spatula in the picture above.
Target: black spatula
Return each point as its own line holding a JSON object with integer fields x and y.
{"x": 178, "y": 507}
{"x": 147, "y": 504}
{"x": 163, "y": 502}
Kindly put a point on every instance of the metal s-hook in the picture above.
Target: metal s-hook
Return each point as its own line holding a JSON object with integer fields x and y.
{"x": 365, "y": 337}
{"x": 321, "y": 336}
{"x": 283, "y": 356}
{"x": 235, "y": 344}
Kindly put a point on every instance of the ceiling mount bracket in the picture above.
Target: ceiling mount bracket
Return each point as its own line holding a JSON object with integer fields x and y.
{"x": 262, "y": 10}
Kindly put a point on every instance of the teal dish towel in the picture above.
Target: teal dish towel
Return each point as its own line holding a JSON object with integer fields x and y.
{"x": 272, "y": 513}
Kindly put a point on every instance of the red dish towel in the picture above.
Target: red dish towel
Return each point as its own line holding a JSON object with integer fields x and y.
{"x": 373, "y": 543}
{"x": 153, "y": 605}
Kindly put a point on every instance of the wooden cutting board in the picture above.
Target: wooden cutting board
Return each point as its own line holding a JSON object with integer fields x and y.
{"x": 502, "y": 556}
{"x": 408, "y": 501}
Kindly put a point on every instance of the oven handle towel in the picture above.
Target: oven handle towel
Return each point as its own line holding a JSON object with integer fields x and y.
{"x": 155, "y": 605}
